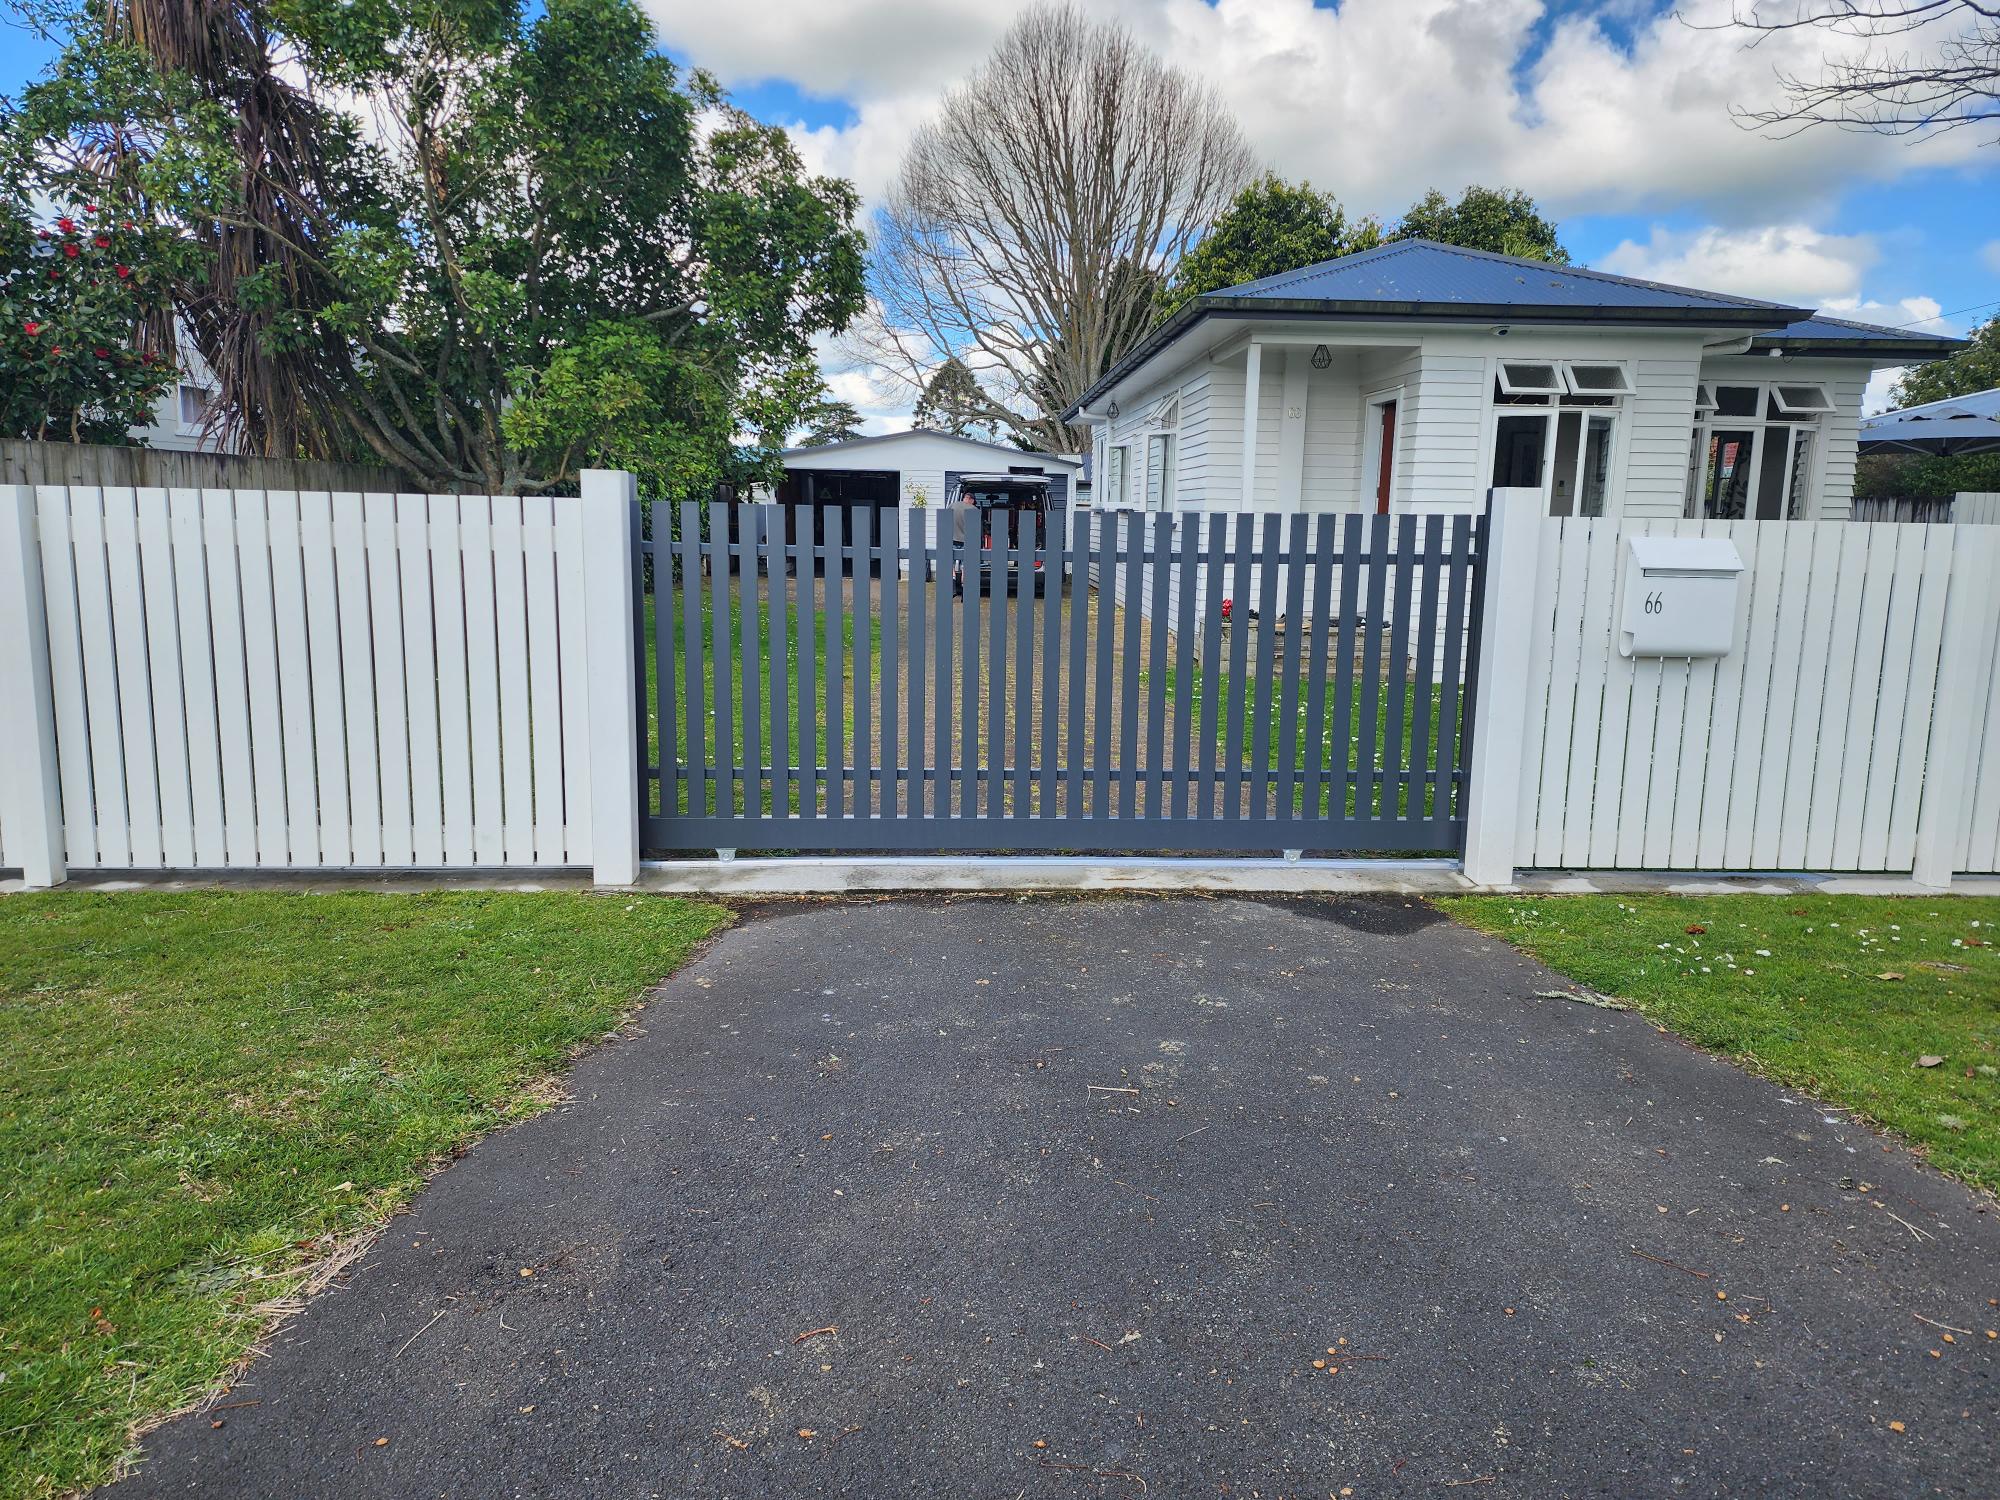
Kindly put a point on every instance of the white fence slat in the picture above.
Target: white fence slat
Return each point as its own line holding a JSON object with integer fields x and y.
{"x": 1766, "y": 807}
{"x": 197, "y": 668}
{"x": 391, "y": 707}
{"x": 1600, "y": 559}
{"x": 510, "y": 632}
{"x": 570, "y": 604}
{"x": 1926, "y": 651}
{"x": 53, "y": 520}
{"x": 454, "y": 694}
{"x": 1720, "y": 761}
{"x": 357, "y": 672}
{"x": 1607, "y": 798}
{"x": 1548, "y": 543}
{"x": 336, "y": 825}
{"x": 538, "y": 540}
{"x": 100, "y": 678}
{"x": 1980, "y": 835}
{"x": 1802, "y": 722}
{"x": 1859, "y": 751}
{"x": 1692, "y": 759}
{"x": 295, "y": 677}
{"x": 1655, "y": 831}
{"x": 482, "y": 655}
{"x": 135, "y": 689}
{"x": 163, "y": 652}
{"x": 1547, "y": 763}
{"x": 1827, "y": 721}
{"x": 232, "y": 689}
{"x": 1898, "y": 668}
{"x": 420, "y": 678}
{"x": 260, "y": 658}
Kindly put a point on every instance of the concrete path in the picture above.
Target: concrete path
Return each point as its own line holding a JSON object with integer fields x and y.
{"x": 1160, "y": 1197}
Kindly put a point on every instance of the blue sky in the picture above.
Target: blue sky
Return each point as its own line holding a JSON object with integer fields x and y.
{"x": 1615, "y": 115}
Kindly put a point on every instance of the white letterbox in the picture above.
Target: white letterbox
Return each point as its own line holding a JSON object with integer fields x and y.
{"x": 1680, "y": 596}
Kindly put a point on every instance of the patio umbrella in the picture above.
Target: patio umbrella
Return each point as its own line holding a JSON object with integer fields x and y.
{"x": 1963, "y": 424}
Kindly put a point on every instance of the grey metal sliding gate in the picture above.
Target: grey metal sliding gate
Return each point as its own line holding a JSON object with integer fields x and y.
{"x": 1248, "y": 683}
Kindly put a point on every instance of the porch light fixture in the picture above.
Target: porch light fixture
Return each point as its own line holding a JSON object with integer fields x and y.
{"x": 1322, "y": 356}
{"x": 1111, "y": 411}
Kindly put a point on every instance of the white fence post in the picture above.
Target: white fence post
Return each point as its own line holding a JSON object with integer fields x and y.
{"x": 609, "y": 664}
{"x": 1965, "y": 664}
{"x": 1493, "y": 778}
{"x": 30, "y": 791}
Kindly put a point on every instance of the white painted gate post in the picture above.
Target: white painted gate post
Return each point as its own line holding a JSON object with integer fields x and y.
{"x": 1493, "y": 778}
{"x": 1965, "y": 665}
{"x": 30, "y": 789}
{"x": 609, "y": 666}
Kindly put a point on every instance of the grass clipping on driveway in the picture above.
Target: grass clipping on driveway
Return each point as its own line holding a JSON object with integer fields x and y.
{"x": 203, "y": 1094}
{"x": 1887, "y": 1006}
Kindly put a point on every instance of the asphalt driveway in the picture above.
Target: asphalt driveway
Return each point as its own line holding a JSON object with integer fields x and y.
{"x": 1117, "y": 1197}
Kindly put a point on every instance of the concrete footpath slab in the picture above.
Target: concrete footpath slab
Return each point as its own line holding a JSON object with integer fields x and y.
{"x": 1145, "y": 1196}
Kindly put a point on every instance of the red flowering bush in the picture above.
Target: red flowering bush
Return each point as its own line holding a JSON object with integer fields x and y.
{"x": 74, "y": 297}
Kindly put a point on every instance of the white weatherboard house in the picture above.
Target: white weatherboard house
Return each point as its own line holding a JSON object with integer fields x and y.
{"x": 1413, "y": 377}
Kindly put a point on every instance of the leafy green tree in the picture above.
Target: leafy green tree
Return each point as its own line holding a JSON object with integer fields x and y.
{"x": 545, "y": 211}
{"x": 1271, "y": 227}
{"x": 1503, "y": 220}
{"x": 830, "y": 420}
{"x": 953, "y": 402}
{"x": 1974, "y": 368}
{"x": 75, "y": 297}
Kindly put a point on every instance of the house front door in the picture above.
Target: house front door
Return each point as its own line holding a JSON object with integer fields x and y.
{"x": 1385, "y": 459}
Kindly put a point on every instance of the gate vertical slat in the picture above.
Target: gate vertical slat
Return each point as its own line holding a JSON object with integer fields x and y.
{"x": 1396, "y": 670}
{"x": 1084, "y": 525}
{"x": 1346, "y": 743}
{"x": 666, "y": 658}
{"x": 861, "y": 534}
{"x": 1021, "y": 690}
{"x": 942, "y": 791}
{"x": 970, "y": 562}
{"x": 1369, "y": 740}
{"x": 650, "y": 775}
{"x": 1239, "y": 668}
{"x": 994, "y": 574}
{"x": 1187, "y": 535}
{"x": 1297, "y": 637}
{"x": 1318, "y": 624}
{"x": 1443, "y": 797}
{"x": 1107, "y": 596}
{"x": 1157, "y": 665}
{"x": 834, "y": 590}
{"x": 806, "y": 622}
{"x": 1048, "y": 683}
{"x": 694, "y": 689}
{"x": 889, "y": 555}
{"x": 1263, "y": 705}
{"x": 722, "y": 669}
{"x": 919, "y": 589}
{"x": 772, "y": 546}
{"x": 1212, "y": 673}
{"x": 1133, "y": 556}
{"x": 1421, "y": 730}
{"x": 750, "y": 546}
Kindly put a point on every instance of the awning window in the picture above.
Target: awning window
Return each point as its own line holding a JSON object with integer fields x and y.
{"x": 1521, "y": 377}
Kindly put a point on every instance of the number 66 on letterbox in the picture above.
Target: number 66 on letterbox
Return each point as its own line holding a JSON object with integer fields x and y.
{"x": 1680, "y": 596}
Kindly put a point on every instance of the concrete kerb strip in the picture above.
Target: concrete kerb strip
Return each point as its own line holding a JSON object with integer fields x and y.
{"x": 837, "y": 875}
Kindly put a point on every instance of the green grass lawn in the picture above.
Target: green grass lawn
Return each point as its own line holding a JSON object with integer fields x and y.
{"x": 1795, "y": 987}
{"x": 202, "y": 1094}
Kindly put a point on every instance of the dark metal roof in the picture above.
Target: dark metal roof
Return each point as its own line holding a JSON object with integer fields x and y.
{"x": 1425, "y": 272}
{"x": 1820, "y": 334}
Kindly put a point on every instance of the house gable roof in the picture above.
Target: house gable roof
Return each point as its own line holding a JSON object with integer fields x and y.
{"x": 1019, "y": 455}
{"x": 1424, "y": 281}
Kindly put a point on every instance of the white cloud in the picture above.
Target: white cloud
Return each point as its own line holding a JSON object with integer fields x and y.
{"x": 1990, "y": 253}
{"x": 1877, "y": 398}
{"x": 1780, "y": 262}
{"x": 1376, "y": 100}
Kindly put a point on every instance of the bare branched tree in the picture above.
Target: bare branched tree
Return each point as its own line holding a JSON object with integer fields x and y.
{"x": 1903, "y": 67}
{"x": 1034, "y": 218}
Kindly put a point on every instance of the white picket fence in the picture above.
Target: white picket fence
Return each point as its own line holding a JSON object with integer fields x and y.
{"x": 250, "y": 680}
{"x": 1850, "y": 729}
{"x": 266, "y": 680}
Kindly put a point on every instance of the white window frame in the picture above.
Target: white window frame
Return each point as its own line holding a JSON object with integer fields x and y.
{"x": 1371, "y": 446}
{"x": 1704, "y": 396}
{"x": 1553, "y": 406}
{"x": 1808, "y": 432}
{"x": 1823, "y": 407}
{"x": 1557, "y": 387}
{"x": 1117, "y": 473}
{"x": 1163, "y": 426}
{"x": 1623, "y": 388}
{"x": 191, "y": 426}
